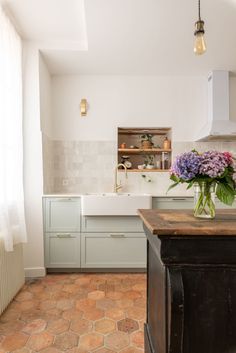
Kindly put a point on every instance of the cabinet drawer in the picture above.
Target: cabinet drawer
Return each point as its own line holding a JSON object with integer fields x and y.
{"x": 172, "y": 202}
{"x": 110, "y": 224}
{"x": 113, "y": 250}
{"x": 62, "y": 214}
{"x": 62, "y": 250}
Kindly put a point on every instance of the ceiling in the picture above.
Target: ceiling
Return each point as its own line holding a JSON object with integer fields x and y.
{"x": 136, "y": 37}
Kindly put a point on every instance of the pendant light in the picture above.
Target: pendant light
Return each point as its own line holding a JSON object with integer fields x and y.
{"x": 199, "y": 45}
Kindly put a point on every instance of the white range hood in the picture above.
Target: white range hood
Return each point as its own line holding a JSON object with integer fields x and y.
{"x": 219, "y": 126}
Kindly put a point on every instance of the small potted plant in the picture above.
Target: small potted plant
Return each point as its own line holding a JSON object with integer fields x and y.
{"x": 146, "y": 141}
{"x": 149, "y": 162}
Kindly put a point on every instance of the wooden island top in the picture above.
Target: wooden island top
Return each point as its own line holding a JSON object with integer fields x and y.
{"x": 183, "y": 223}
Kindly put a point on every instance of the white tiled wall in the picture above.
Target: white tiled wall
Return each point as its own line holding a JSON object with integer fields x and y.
{"x": 88, "y": 166}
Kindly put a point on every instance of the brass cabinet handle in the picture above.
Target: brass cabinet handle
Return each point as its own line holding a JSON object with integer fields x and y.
{"x": 63, "y": 235}
{"x": 117, "y": 235}
{"x": 178, "y": 199}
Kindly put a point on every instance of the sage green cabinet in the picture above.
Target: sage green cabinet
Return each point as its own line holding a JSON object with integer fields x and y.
{"x": 62, "y": 250}
{"x": 113, "y": 242}
{"x": 113, "y": 250}
{"x": 62, "y": 214}
{"x": 172, "y": 202}
{"x": 181, "y": 203}
{"x": 62, "y": 232}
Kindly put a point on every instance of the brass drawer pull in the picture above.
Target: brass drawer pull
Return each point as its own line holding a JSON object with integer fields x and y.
{"x": 63, "y": 235}
{"x": 117, "y": 235}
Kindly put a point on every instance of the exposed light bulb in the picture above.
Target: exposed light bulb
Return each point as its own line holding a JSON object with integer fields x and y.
{"x": 199, "y": 45}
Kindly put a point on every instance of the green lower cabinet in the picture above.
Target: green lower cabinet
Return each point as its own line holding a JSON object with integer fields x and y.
{"x": 113, "y": 250}
{"x": 62, "y": 250}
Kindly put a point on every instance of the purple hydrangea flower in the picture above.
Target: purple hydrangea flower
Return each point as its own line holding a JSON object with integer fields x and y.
{"x": 213, "y": 164}
{"x": 186, "y": 165}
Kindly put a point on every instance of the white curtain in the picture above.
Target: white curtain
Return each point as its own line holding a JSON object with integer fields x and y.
{"x": 12, "y": 218}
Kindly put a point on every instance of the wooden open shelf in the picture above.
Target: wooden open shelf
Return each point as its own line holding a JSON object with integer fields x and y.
{"x": 144, "y": 170}
{"x": 142, "y": 150}
{"x": 139, "y": 156}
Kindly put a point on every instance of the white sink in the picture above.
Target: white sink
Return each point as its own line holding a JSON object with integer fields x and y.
{"x": 114, "y": 204}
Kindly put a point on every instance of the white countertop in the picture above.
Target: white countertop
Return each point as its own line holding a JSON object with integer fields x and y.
{"x": 153, "y": 195}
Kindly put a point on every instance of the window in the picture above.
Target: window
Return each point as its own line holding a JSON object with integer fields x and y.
{"x": 12, "y": 219}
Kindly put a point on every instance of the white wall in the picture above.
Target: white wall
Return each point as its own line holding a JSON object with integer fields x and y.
{"x": 33, "y": 164}
{"x": 137, "y": 101}
{"x": 45, "y": 97}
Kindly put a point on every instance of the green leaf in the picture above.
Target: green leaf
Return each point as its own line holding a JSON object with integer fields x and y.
{"x": 225, "y": 194}
{"x": 174, "y": 178}
{"x": 190, "y": 184}
{"x": 172, "y": 186}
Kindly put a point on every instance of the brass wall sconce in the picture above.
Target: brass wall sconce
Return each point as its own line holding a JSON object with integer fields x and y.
{"x": 83, "y": 107}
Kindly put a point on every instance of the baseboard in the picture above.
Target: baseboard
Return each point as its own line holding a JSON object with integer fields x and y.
{"x": 35, "y": 272}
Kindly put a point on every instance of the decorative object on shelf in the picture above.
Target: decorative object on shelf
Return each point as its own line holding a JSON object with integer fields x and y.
{"x": 123, "y": 145}
{"x": 165, "y": 163}
{"x": 199, "y": 45}
{"x": 166, "y": 144}
{"x": 125, "y": 160}
{"x": 149, "y": 161}
{"x": 146, "y": 141}
{"x": 141, "y": 166}
{"x": 210, "y": 172}
{"x": 83, "y": 107}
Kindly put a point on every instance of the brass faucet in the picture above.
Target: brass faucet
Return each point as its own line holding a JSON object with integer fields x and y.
{"x": 116, "y": 185}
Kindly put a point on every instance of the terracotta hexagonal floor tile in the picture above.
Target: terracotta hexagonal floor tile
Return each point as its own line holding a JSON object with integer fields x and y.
{"x": 140, "y": 286}
{"x": 31, "y": 315}
{"x": 58, "y": 326}
{"x": 23, "y": 296}
{"x": 104, "y": 350}
{"x": 35, "y": 326}
{"x": 105, "y": 326}
{"x": 136, "y": 313}
{"x": 72, "y": 314}
{"x": 137, "y": 339}
{"x": 21, "y": 350}
{"x": 77, "y": 350}
{"x": 85, "y": 304}
{"x": 65, "y": 304}
{"x": 91, "y": 341}
{"x": 132, "y": 350}
{"x": 133, "y": 294}
{"x": 48, "y": 304}
{"x": 127, "y": 325}
{"x": 81, "y": 326}
{"x": 83, "y": 281}
{"x": 96, "y": 295}
{"x": 14, "y": 341}
{"x": 115, "y": 314}
{"x": 124, "y": 303}
{"x": 60, "y": 295}
{"x": 105, "y": 304}
{"x": 28, "y": 305}
{"x": 114, "y": 295}
{"x": 7, "y": 328}
{"x": 141, "y": 302}
{"x": 50, "y": 350}
{"x": 10, "y": 315}
{"x": 66, "y": 340}
{"x": 93, "y": 314}
{"x": 40, "y": 341}
{"x": 117, "y": 340}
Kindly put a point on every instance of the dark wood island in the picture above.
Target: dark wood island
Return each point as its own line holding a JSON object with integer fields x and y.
{"x": 191, "y": 282}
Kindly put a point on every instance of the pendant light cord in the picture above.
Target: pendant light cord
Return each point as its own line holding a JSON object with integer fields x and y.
{"x": 199, "y": 10}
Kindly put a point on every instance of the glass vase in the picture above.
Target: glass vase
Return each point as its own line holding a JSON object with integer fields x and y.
{"x": 204, "y": 200}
